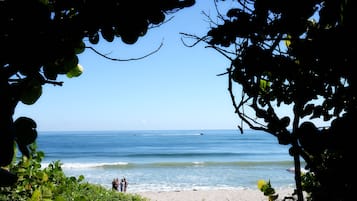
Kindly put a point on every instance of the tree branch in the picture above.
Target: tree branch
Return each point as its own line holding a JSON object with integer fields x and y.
{"x": 130, "y": 59}
{"x": 53, "y": 82}
{"x": 249, "y": 121}
{"x": 198, "y": 39}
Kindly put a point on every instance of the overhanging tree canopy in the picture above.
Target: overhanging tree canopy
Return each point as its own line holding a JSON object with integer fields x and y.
{"x": 40, "y": 39}
{"x": 300, "y": 54}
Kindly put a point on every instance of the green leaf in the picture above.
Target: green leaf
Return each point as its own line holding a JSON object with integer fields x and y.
{"x": 264, "y": 85}
{"x": 70, "y": 62}
{"x": 25, "y": 130}
{"x": 60, "y": 198}
{"x": 36, "y": 195}
{"x": 31, "y": 93}
{"x": 75, "y": 72}
{"x": 80, "y": 49}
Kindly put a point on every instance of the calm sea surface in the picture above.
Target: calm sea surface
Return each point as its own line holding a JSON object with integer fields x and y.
{"x": 170, "y": 159}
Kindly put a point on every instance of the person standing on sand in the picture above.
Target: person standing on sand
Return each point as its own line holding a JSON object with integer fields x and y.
{"x": 121, "y": 184}
{"x": 115, "y": 184}
{"x": 125, "y": 184}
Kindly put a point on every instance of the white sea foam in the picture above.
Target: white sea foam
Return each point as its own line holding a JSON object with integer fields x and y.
{"x": 88, "y": 165}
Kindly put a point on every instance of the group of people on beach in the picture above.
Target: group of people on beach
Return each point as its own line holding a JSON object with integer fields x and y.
{"x": 120, "y": 185}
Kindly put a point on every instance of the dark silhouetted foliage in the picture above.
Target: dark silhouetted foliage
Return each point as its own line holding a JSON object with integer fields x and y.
{"x": 297, "y": 55}
{"x": 40, "y": 39}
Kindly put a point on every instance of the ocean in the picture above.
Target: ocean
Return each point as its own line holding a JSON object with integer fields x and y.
{"x": 170, "y": 160}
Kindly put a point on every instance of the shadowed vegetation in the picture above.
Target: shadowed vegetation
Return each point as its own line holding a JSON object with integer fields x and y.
{"x": 292, "y": 55}
{"x": 40, "y": 40}
{"x": 297, "y": 56}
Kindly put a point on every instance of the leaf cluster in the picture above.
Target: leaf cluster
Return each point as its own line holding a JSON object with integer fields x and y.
{"x": 302, "y": 59}
{"x": 267, "y": 190}
{"x": 40, "y": 41}
{"x": 25, "y": 134}
{"x": 36, "y": 183}
{"x": 299, "y": 54}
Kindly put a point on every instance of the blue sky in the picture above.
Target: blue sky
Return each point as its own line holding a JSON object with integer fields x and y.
{"x": 175, "y": 88}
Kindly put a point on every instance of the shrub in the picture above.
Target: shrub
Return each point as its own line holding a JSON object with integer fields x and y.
{"x": 51, "y": 184}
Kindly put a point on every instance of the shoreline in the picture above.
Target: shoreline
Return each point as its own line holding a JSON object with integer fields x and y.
{"x": 213, "y": 195}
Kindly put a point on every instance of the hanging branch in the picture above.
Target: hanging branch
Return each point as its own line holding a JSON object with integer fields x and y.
{"x": 158, "y": 25}
{"x": 196, "y": 38}
{"x": 130, "y": 59}
{"x": 243, "y": 101}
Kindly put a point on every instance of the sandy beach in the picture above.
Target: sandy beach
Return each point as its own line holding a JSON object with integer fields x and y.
{"x": 213, "y": 195}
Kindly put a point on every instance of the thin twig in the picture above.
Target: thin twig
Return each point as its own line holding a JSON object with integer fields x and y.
{"x": 158, "y": 25}
{"x": 221, "y": 51}
{"x": 53, "y": 82}
{"x": 130, "y": 59}
{"x": 198, "y": 39}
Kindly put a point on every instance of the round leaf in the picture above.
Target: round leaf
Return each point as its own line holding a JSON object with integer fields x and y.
{"x": 31, "y": 92}
{"x": 75, "y": 72}
{"x": 25, "y": 130}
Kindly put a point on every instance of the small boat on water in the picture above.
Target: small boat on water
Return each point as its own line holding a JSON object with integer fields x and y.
{"x": 292, "y": 170}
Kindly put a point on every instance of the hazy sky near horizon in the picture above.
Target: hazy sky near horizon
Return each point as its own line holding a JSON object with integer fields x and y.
{"x": 175, "y": 88}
